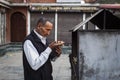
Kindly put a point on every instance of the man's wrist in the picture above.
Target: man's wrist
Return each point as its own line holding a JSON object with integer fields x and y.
{"x": 48, "y": 50}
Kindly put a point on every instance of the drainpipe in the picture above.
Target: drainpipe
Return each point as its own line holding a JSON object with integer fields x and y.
{"x": 84, "y": 17}
{"x": 56, "y": 24}
{"x": 28, "y": 23}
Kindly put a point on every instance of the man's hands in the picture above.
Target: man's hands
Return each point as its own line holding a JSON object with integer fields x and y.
{"x": 57, "y": 46}
{"x": 58, "y": 50}
{"x": 52, "y": 45}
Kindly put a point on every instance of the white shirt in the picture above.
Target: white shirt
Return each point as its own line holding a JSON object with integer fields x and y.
{"x": 34, "y": 59}
{"x": 43, "y": 39}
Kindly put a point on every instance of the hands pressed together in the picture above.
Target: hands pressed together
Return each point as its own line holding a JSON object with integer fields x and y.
{"x": 57, "y": 46}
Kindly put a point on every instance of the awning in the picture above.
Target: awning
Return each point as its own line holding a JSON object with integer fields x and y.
{"x": 103, "y": 19}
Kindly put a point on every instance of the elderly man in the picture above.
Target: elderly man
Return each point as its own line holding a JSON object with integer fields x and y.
{"x": 38, "y": 53}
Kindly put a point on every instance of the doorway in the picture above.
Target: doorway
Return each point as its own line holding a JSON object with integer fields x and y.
{"x": 18, "y": 27}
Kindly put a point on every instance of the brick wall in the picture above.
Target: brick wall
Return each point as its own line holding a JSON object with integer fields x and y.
{"x": 42, "y": 1}
{"x": 15, "y": 1}
{"x": 33, "y": 1}
{"x": 9, "y": 12}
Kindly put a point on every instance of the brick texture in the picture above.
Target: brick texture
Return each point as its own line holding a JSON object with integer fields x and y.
{"x": 33, "y": 1}
{"x": 42, "y": 1}
{"x": 15, "y": 1}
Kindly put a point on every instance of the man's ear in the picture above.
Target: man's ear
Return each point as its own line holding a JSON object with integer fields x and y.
{"x": 39, "y": 25}
{"x": 42, "y": 28}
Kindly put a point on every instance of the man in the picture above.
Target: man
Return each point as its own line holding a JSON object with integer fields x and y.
{"x": 38, "y": 53}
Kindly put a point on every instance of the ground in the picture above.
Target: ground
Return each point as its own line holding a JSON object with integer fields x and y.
{"x": 11, "y": 67}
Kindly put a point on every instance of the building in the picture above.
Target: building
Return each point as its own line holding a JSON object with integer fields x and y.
{"x": 89, "y": 45}
{"x": 20, "y": 17}
{"x": 3, "y": 23}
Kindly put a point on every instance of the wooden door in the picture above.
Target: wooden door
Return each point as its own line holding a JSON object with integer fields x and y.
{"x": 18, "y": 27}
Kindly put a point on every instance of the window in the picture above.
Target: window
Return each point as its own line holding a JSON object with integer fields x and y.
{"x": 2, "y": 27}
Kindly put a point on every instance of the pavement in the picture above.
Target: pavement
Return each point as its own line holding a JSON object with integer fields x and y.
{"x": 11, "y": 67}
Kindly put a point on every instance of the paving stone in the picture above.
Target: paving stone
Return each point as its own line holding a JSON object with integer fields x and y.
{"x": 11, "y": 67}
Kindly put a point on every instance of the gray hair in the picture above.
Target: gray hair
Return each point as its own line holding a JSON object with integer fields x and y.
{"x": 42, "y": 20}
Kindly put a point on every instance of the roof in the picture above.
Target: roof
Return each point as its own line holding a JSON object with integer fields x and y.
{"x": 4, "y": 3}
{"x": 110, "y": 6}
{"x": 104, "y": 19}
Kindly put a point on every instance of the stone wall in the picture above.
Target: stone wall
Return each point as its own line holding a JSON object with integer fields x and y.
{"x": 98, "y": 55}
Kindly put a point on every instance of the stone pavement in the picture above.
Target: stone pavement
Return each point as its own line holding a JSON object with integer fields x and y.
{"x": 11, "y": 67}
{"x": 61, "y": 68}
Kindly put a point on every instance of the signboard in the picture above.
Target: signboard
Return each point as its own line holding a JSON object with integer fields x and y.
{"x": 64, "y": 8}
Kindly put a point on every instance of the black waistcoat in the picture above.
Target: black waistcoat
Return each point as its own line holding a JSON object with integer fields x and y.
{"x": 44, "y": 72}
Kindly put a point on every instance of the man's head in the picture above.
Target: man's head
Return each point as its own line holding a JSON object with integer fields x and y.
{"x": 44, "y": 27}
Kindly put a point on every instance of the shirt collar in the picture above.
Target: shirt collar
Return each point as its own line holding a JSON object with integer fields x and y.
{"x": 40, "y": 36}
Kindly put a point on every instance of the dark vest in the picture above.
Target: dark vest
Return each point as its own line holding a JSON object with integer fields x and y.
{"x": 45, "y": 71}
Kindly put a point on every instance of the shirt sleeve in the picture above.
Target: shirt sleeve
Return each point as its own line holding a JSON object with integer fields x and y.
{"x": 34, "y": 59}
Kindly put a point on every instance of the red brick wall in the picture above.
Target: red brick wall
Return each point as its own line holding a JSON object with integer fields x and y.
{"x": 9, "y": 12}
{"x": 33, "y": 1}
{"x": 42, "y": 1}
{"x": 16, "y": 1}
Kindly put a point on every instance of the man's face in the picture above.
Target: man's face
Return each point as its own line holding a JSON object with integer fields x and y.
{"x": 46, "y": 29}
